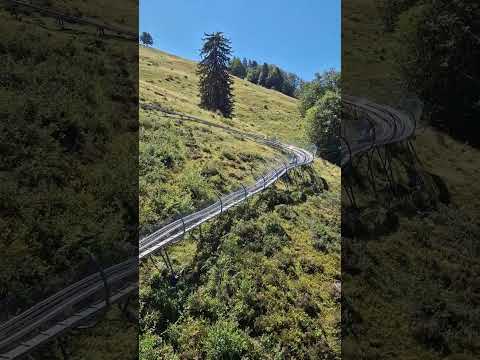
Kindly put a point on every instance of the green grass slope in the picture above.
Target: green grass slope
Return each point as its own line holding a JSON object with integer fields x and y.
{"x": 261, "y": 281}
{"x": 62, "y": 166}
{"x": 172, "y": 82}
{"x": 183, "y": 165}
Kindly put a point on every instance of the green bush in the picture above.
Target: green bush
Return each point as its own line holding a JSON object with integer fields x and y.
{"x": 224, "y": 341}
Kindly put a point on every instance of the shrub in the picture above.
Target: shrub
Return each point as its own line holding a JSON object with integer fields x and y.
{"x": 323, "y": 239}
{"x": 225, "y": 341}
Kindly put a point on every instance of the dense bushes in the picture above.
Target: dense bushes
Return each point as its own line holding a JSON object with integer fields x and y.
{"x": 320, "y": 105}
{"x": 66, "y": 172}
{"x": 323, "y": 125}
{"x": 438, "y": 55}
{"x": 247, "y": 297}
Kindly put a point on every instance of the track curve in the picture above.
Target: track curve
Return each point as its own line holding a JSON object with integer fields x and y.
{"x": 53, "y": 316}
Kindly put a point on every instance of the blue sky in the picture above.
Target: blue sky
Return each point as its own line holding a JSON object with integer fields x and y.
{"x": 300, "y": 36}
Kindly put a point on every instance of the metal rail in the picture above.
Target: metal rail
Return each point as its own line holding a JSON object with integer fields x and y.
{"x": 52, "y": 316}
{"x": 382, "y": 125}
{"x": 62, "y": 18}
{"x": 77, "y": 302}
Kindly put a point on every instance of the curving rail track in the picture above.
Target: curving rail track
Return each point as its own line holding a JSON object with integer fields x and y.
{"x": 378, "y": 125}
{"x": 62, "y": 18}
{"x": 73, "y": 305}
{"x": 374, "y": 126}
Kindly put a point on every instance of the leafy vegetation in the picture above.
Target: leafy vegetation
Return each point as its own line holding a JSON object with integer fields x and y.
{"x": 405, "y": 275}
{"x": 439, "y": 63}
{"x": 260, "y": 282}
{"x": 255, "y": 285}
{"x": 146, "y": 39}
{"x": 266, "y": 75}
{"x": 66, "y": 171}
{"x": 320, "y": 104}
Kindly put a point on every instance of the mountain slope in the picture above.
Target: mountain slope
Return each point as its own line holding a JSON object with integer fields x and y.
{"x": 261, "y": 280}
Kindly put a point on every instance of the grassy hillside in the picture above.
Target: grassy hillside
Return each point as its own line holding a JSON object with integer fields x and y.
{"x": 183, "y": 165}
{"x": 62, "y": 165}
{"x": 172, "y": 82}
{"x": 409, "y": 287}
{"x": 262, "y": 281}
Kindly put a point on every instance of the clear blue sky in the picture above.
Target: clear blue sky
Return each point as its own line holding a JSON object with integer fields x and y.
{"x": 300, "y": 36}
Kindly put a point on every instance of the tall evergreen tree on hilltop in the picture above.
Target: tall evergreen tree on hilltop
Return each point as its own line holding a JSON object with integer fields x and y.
{"x": 216, "y": 83}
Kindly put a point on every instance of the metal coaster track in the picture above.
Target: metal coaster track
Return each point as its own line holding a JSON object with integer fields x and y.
{"x": 62, "y": 18}
{"x": 53, "y": 316}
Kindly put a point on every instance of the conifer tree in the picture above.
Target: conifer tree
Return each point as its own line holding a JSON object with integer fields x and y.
{"x": 216, "y": 83}
{"x": 237, "y": 68}
{"x": 275, "y": 79}
{"x": 146, "y": 38}
{"x": 262, "y": 79}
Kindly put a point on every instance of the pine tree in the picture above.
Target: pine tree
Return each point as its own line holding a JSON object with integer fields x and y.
{"x": 253, "y": 74}
{"x": 262, "y": 79}
{"x": 275, "y": 79}
{"x": 237, "y": 68}
{"x": 216, "y": 83}
{"x": 146, "y": 38}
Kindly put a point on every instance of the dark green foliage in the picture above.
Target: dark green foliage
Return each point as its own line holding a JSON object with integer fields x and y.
{"x": 321, "y": 107}
{"x": 440, "y": 48}
{"x": 216, "y": 84}
{"x": 269, "y": 76}
{"x": 262, "y": 78}
{"x": 290, "y": 84}
{"x": 237, "y": 68}
{"x": 390, "y": 10}
{"x": 244, "y": 299}
{"x": 311, "y": 92}
{"x": 323, "y": 124}
{"x": 66, "y": 172}
{"x": 253, "y": 74}
{"x": 226, "y": 342}
{"x": 146, "y": 39}
{"x": 324, "y": 239}
{"x": 275, "y": 79}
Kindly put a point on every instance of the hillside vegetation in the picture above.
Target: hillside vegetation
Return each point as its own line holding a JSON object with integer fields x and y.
{"x": 262, "y": 280}
{"x": 65, "y": 170}
{"x": 184, "y": 165}
{"x": 172, "y": 82}
{"x": 409, "y": 286}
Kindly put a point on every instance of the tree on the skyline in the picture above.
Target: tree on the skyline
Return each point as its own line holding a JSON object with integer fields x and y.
{"x": 262, "y": 78}
{"x": 216, "y": 83}
{"x": 252, "y": 74}
{"x": 237, "y": 68}
{"x": 275, "y": 79}
{"x": 146, "y": 39}
{"x": 311, "y": 91}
